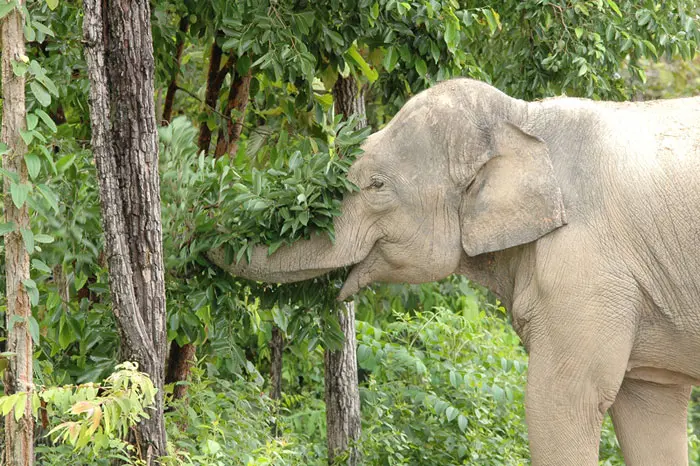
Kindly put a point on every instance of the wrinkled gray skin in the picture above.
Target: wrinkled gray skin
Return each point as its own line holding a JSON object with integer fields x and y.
{"x": 584, "y": 217}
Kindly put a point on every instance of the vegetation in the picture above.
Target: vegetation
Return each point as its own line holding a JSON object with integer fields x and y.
{"x": 252, "y": 152}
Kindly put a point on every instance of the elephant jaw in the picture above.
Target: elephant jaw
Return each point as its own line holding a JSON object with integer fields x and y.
{"x": 372, "y": 268}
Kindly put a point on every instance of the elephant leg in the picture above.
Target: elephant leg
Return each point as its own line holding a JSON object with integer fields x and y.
{"x": 577, "y": 365}
{"x": 651, "y": 423}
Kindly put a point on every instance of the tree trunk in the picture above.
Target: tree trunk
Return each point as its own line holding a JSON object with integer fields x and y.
{"x": 342, "y": 391}
{"x": 172, "y": 87}
{"x": 19, "y": 435}
{"x": 227, "y": 141}
{"x": 343, "y": 395}
{"x": 215, "y": 78}
{"x": 125, "y": 146}
{"x": 276, "y": 352}
{"x": 179, "y": 365}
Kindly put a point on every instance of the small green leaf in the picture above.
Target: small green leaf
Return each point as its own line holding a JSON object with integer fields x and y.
{"x": 44, "y": 239}
{"x": 6, "y": 228}
{"x": 33, "y": 292}
{"x": 32, "y": 121}
{"x": 33, "y": 324}
{"x": 28, "y": 238}
{"x": 367, "y": 71}
{"x": 19, "y": 192}
{"x": 20, "y": 404}
{"x": 492, "y": 19}
{"x": 19, "y": 68}
{"x": 40, "y": 266}
{"x": 49, "y": 196}
{"x": 615, "y": 8}
{"x": 46, "y": 119}
{"x": 52, "y": 4}
{"x": 452, "y": 35}
{"x": 6, "y": 8}
{"x": 391, "y": 58}
{"x": 421, "y": 67}
{"x": 463, "y": 423}
{"x": 33, "y": 164}
{"x": 40, "y": 93}
{"x": 583, "y": 69}
{"x": 27, "y": 136}
{"x": 452, "y": 413}
{"x": 65, "y": 162}
{"x": 579, "y": 32}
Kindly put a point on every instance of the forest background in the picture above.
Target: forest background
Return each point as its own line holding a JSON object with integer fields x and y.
{"x": 253, "y": 151}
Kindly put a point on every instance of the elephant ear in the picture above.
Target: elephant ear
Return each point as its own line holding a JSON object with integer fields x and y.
{"x": 514, "y": 198}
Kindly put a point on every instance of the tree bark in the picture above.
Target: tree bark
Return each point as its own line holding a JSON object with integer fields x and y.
{"x": 125, "y": 146}
{"x": 179, "y": 366}
{"x": 19, "y": 435}
{"x": 343, "y": 421}
{"x": 215, "y": 78}
{"x": 342, "y": 391}
{"x": 227, "y": 141}
{"x": 172, "y": 87}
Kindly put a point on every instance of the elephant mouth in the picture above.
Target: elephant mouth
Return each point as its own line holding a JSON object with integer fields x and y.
{"x": 363, "y": 273}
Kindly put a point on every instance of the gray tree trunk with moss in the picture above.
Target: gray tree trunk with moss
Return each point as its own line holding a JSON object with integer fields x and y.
{"x": 125, "y": 145}
{"x": 19, "y": 435}
{"x": 342, "y": 391}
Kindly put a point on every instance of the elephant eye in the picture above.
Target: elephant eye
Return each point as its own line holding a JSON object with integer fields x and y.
{"x": 376, "y": 184}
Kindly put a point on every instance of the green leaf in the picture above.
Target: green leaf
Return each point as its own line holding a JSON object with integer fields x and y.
{"x": 19, "y": 192}
{"x": 391, "y": 58}
{"x": 19, "y": 68}
{"x": 44, "y": 239}
{"x": 28, "y": 238}
{"x": 33, "y": 164}
{"x": 579, "y": 32}
{"x": 6, "y": 8}
{"x": 40, "y": 93}
{"x": 583, "y": 70}
{"x": 40, "y": 266}
{"x": 367, "y": 71}
{"x": 33, "y": 324}
{"x": 43, "y": 28}
{"x": 52, "y": 4}
{"x": 462, "y": 422}
{"x": 452, "y": 35}
{"x": 421, "y": 67}
{"x": 615, "y": 8}
{"x": 452, "y": 413}
{"x": 27, "y": 136}
{"x": 32, "y": 121}
{"x": 65, "y": 162}
{"x": 50, "y": 196}
{"x": 6, "y": 228}
{"x": 492, "y": 19}
{"x": 20, "y": 404}
{"x": 46, "y": 119}
{"x": 33, "y": 292}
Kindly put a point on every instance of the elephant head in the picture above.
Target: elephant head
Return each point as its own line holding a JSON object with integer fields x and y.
{"x": 454, "y": 174}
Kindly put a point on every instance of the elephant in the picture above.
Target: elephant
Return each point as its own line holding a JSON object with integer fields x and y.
{"x": 582, "y": 216}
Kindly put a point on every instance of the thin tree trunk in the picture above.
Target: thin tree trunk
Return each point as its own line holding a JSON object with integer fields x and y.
{"x": 179, "y": 366}
{"x": 343, "y": 422}
{"x": 125, "y": 146}
{"x": 172, "y": 87}
{"x": 342, "y": 391}
{"x": 215, "y": 78}
{"x": 19, "y": 435}
{"x": 276, "y": 352}
{"x": 227, "y": 141}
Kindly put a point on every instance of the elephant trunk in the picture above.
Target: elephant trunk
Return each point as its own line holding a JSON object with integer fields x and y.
{"x": 304, "y": 259}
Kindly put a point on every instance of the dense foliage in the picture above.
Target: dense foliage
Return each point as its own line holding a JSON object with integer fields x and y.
{"x": 442, "y": 373}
